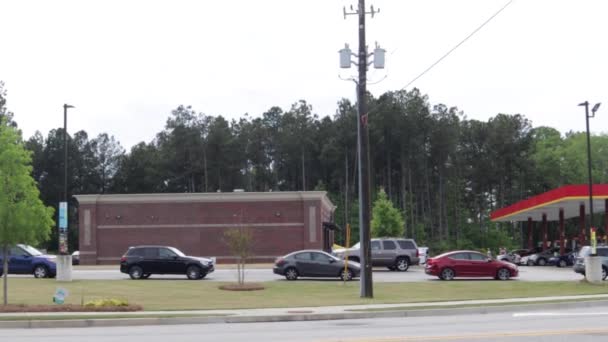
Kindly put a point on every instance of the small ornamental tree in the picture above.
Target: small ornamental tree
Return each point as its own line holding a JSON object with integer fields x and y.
{"x": 386, "y": 219}
{"x": 23, "y": 216}
{"x": 240, "y": 241}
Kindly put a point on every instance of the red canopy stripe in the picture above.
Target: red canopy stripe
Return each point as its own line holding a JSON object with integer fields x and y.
{"x": 574, "y": 193}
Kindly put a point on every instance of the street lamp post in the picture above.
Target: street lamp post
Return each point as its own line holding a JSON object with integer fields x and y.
{"x": 64, "y": 259}
{"x": 593, "y": 268}
{"x": 590, "y": 179}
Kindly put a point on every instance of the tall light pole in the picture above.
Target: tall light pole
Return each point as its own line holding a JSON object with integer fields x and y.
{"x": 587, "y": 116}
{"x": 63, "y": 214}
{"x": 363, "y": 141}
{"x": 64, "y": 260}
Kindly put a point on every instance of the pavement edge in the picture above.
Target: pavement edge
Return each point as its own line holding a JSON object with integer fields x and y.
{"x": 287, "y": 317}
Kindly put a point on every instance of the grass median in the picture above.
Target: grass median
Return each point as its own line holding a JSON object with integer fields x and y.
{"x": 164, "y": 294}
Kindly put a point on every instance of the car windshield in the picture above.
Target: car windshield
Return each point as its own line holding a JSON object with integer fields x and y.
{"x": 33, "y": 251}
{"x": 177, "y": 251}
{"x": 357, "y": 245}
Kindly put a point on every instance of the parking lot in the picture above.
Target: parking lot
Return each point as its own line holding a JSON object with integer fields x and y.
{"x": 264, "y": 273}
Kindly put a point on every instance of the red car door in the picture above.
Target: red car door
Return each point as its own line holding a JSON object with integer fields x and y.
{"x": 459, "y": 262}
{"x": 480, "y": 266}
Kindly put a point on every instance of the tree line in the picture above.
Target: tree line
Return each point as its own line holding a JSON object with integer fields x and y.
{"x": 444, "y": 172}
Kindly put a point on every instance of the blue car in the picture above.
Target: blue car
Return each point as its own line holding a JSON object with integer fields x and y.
{"x": 24, "y": 259}
{"x": 563, "y": 260}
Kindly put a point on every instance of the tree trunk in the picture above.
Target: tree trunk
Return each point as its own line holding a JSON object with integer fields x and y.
{"x": 345, "y": 189}
{"x": 219, "y": 179}
{"x": 388, "y": 174}
{"x": 411, "y": 196}
{"x": 441, "y": 202}
{"x": 429, "y": 209}
{"x": 242, "y": 271}
{"x": 205, "y": 170}
{"x": 238, "y": 269}
{"x": 404, "y": 196}
{"x": 303, "y": 172}
{"x": 5, "y": 275}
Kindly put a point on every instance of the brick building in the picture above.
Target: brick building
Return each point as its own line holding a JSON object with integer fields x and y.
{"x": 195, "y": 223}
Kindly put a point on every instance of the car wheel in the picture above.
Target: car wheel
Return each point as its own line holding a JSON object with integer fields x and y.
{"x": 503, "y": 274}
{"x": 41, "y": 271}
{"x": 402, "y": 264}
{"x": 447, "y": 274}
{"x": 346, "y": 275}
{"x": 146, "y": 276}
{"x": 604, "y": 273}
{"x": 562, "y": 263}
{"x": 530, "y": 263}
{"x": 541, "y": 262}
{"x": 136, "y": 272}
{"x": 291, "y": 274}
{"x": 193, "y": 272}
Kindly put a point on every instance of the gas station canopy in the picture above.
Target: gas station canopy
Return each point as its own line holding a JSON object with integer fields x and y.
{"x": 570, "y": 198}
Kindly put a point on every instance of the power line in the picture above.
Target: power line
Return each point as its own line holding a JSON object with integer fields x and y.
{"x": 457, "y": 45}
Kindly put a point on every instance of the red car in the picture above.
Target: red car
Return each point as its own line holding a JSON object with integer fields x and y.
{"x": 449, "y": 265}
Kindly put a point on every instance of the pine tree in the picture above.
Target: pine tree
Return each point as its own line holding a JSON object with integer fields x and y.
{"x": 387, "y": 220}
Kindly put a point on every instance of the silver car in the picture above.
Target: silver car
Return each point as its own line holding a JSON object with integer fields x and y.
{"x": 394, "y": 253}
{"x": 579, "y": 263}
{"x": 315, "y": 263}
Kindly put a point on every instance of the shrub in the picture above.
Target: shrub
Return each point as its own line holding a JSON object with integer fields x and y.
{"x": 107, "y": 302}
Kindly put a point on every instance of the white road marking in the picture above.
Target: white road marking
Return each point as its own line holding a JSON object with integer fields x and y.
{"x": 558, "y": 314}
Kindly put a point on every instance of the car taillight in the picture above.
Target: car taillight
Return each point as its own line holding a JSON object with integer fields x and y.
{"x": 279, "y": 261}
{"x": 417, "y": 253}
{"x": 123, "y": 259}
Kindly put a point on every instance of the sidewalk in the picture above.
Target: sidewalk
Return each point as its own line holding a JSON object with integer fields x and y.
{"x": 90, "y": 319}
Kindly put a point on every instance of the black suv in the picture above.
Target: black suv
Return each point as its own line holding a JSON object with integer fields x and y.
{"x": 140, "y": 262}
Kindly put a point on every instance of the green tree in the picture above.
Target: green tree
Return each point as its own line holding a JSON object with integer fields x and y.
{"x": 23, "y": 216}
{"x": 108, "y": 154}
{"x": 387, "y": 220}
{"x": 240, "y": 241}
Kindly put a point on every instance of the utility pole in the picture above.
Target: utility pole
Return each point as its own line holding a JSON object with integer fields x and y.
{"x": 363, "y": 143}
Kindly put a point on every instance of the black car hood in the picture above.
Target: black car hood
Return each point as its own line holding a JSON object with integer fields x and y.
{"x": 199, "y": 259}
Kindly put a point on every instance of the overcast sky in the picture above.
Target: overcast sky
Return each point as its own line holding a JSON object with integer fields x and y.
{"x": 125, "y": 65}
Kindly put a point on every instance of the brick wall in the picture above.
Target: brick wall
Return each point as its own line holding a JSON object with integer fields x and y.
{"x": 197, "y": 227}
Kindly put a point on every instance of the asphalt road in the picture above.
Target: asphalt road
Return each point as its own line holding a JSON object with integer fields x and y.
{"x": 565, "y": 325}
{"x": 414, "y": 274}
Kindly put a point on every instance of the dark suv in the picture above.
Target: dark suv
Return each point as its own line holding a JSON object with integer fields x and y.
{"x": 140, "y": 262}
{"x": 397, "y": 254}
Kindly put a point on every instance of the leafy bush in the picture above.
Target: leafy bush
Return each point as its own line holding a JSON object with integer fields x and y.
{"x": 107, "y": 302}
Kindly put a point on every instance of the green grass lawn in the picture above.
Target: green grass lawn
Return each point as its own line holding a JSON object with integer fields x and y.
{"x": 190, "y": 295}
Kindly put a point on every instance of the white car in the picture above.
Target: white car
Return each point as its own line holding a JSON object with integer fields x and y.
{"x": 510, "y": 257}
{"x": 423, "y": 254}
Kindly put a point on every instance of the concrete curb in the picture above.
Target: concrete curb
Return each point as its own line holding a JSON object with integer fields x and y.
{"x": 122, "y": 322}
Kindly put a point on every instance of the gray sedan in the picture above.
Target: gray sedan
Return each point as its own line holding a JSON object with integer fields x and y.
{"x": 315, "y": 263}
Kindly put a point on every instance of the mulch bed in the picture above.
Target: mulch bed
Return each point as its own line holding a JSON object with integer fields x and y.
{"x": 67, "y": 308}
{"x": 243, "y": 287}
